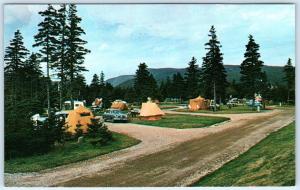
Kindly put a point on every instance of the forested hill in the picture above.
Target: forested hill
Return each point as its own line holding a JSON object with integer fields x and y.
{"x": 274, "y": 74}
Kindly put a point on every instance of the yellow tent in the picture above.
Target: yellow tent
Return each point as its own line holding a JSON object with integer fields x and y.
{"x": 198, "y": 103}
{"x": 150, "y": 111}
{"x": 80, "y": 115}
{"x": 119, "y": 104}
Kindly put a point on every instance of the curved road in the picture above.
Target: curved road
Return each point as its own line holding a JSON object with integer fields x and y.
{"x": 166, "y": 157}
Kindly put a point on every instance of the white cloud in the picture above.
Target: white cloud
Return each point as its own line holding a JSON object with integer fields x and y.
{"x": 17, "y": 14}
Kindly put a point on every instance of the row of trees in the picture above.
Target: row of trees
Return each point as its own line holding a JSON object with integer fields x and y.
{"x": 61, "y": 48}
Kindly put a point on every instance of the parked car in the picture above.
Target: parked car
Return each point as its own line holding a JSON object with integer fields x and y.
{"x": 232, "y": 102}
{"x": 256, "y": 103}
{"x": 115, "y": 115}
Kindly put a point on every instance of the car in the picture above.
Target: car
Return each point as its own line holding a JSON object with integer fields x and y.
{"x": 114, "y": 115}
{"x": 232, "y": 102}
{"x": 256, "y": 103}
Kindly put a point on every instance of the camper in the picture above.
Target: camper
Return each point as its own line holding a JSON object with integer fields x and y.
{"x": 67, "y": 104}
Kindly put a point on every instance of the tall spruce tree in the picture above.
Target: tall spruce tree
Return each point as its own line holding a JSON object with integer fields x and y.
{"x": 213, "y": 71}
{"x": 15, "y": 54}
{"x": 144, "y": 83}
{"x": 102, "y": 81}
{"x": 60, "y": 54}
{"x": 95, "y": 86}
{"x": 289, "y": 77}
{"x": 46, "y": 39}
{"x": 15, "y": 57}
{"x": 192, "y": 79}
{"x": 252, "y": 75}
{"x": 75, "y": 48}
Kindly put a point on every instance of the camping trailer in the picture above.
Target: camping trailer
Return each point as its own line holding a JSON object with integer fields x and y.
{"x": 67, "y": 104}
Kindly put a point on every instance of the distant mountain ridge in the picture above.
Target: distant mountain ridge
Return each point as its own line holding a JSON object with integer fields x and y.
{"x": 274, "y": 73}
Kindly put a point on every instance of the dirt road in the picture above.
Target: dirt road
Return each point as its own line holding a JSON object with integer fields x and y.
{"x": 166, "y": 157}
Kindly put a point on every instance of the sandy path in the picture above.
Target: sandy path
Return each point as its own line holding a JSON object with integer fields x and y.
{"x": 166, "y": 157}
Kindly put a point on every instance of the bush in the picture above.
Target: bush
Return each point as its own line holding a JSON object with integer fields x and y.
{"x": 99, "y": 131}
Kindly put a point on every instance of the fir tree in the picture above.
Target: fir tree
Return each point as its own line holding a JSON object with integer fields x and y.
{"x": 144, "y": 83}
{"x": 15, "y": 54}
{"x": 60, "y": 55}
{"x": 252, "y": 76}
{"x": 178, "y": 86}
{"x": 102, "y": 81}
{"x": 14, "y": 59}
{"x": 95, "y": 86}
{"x": 192, "y": 79}
{"x": 213, "y": 71}
{"x": 46, "y": 39}
{"x": 75, "y": 48}
{"x": 289, "y": 77}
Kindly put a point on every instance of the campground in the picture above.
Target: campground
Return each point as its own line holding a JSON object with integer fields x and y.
{"x": 170, "y": 156}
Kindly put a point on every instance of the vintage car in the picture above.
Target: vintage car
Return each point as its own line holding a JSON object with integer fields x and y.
{"x": 114, "y": 115}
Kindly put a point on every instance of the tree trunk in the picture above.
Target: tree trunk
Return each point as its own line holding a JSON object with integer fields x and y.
{"x": 48, "y": 86}
{"x": 215, "y": 97}
{"x": 288, "y": 98}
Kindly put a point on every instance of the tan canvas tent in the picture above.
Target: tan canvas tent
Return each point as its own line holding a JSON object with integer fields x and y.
{"x": 80, "y": 115}
{"x": 198, "y": 103}
{"x": 150, "y": 111}
{"x": 119, "y": 104}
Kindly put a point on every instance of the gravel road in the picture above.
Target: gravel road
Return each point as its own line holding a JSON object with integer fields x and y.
{"x": 166, "y": 156}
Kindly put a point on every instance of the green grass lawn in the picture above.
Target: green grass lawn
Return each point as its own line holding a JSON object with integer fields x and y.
{"x": 269, "y": 163}
{"x": 225, "y": 110}
{"x": 71, "y": 152}
{"x": 164, "y": 107}
{"x": 180, "y": 121}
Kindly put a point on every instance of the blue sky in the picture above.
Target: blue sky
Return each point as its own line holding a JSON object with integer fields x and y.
{"x": 122, "y": 36}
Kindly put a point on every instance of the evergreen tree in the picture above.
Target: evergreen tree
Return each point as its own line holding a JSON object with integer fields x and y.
{"x": 144, "y": 83}
{"x": 60, "y": 54}
{"x": 75, "y": 48}
{"x": 178, "y": 86}
{"x": 192, "y": 79}
{"x": 102, "y": 81}
{"x": 252, "y": 76}
{"x": 289, "y": 77}
{"x": 14, "y": 59}
{"x": 95, "y": 86}
{"x": 79, "y": 87}
{"x": 213, "y": 71}
{"x": 15, "y": 54}
{"x": 46, "y": 39}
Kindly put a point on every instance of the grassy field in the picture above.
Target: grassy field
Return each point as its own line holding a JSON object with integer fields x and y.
{"x": 225, "y": 110}
{"x": 269, "y": 163}
{"x": 71, "y": 152}
{"x": 180, "y": 121}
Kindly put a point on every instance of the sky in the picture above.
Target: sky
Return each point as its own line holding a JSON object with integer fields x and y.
{"x": 164, "y": 35}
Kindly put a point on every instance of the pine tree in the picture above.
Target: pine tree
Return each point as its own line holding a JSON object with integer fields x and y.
{"x": 289, "y": 77}
{"x": 102, "y": 81}
{"x": 178, "y": 86}
{"x": 46, "y": 39}
{"x": 15, "y": 54}
{"x": 14, "y": 58}
{"x": 213, "y": 71}
{"x": 75, "y": 52}
{"x": 144, "y": 83}
{"x": 60, "y": 55}
{"x": 252, "y": 75}
{"x": 95, "y": 86}
{"x": 192, "y": 79}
